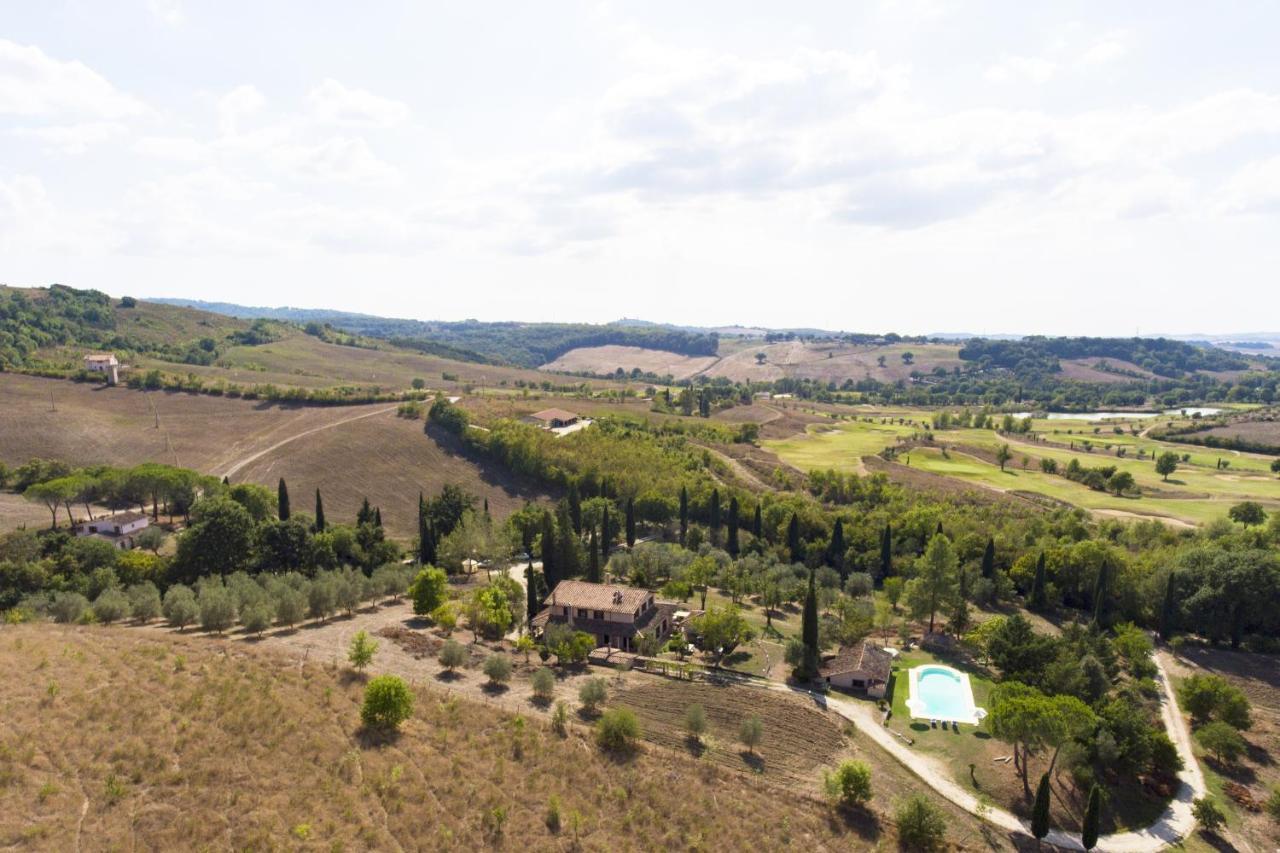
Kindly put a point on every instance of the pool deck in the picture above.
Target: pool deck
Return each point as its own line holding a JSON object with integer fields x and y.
{"x": 970, "y": 714}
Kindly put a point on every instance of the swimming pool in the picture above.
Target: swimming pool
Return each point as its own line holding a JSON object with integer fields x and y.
{"x": 942, "y": 693}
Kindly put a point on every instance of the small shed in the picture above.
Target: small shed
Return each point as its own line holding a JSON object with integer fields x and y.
{"x": 864, "y": 667}
{"x": 553, "y": 418}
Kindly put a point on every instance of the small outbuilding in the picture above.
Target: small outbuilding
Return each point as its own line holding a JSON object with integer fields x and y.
{"x": 103, "y": 362}
{"x": 118, "y": 529}
{"x": 865, "y": 667}
{"x": 553, "y": 418}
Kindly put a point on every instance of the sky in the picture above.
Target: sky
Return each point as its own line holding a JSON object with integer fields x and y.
{"x": 908, "y": 165}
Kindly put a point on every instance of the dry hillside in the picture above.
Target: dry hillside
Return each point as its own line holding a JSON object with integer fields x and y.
{"x": 346, "y": 451}
{"x": 124, "y": 738}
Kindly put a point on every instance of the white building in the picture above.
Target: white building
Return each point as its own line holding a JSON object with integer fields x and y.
{"x": 103, "y": 362}
{"x": 118, "y": 529}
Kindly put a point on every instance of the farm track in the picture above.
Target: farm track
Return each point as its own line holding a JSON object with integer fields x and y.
{"x": 236, "y": 466}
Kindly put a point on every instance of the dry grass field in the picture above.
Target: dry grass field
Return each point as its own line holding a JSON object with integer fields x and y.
{"x": 119, "y": 738}
{"x": 607, "y": 359}
{"x": 347, "y": 452}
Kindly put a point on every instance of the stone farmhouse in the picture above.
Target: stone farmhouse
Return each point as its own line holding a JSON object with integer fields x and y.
{"x": 617, "y": 616}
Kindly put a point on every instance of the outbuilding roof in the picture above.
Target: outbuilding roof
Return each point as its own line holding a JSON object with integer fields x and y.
{"x": 555, "y": 415}
{"x": 866, "y": 659}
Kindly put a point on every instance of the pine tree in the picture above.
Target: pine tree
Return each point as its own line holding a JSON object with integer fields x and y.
{"x": 886, "y": 552}
{"x": 1169, "y": 612}
{"x": 575, "y": 507}
{"x": 989, "y": 559}
{"x": 550, "y": 570}
{"x": 731, "y": 542}
{"x": 715, "y": 517}
{"x": 593, "y": 563}
{"x": 631, "y": 522}
{"x": 1040, "y": 811}
{"x": 809, "y": 632}
{"x": 835, "y": 552}
{"x": 1092, "y": 819}
{"x": 319, "y": 513}
{"x": 684, "y": 514}
{"x": 1102, "y": 597}
{"x": 793, "y": 540}
{"x": 1039, "y": 598}
{"x": 282, "y": 500}
{"x": 757, "y": 523}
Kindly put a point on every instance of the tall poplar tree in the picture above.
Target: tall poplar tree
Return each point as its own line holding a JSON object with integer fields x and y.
{"x": 715, "y": 517}
{"x": 575, "y": 507}
{"x": 809, "y": 632}
{"x": 835, "y": 552}
{"x": 793, "y": 540}
{"x": 757, "y": 523}
{"x": 282, "y": 500}
{"x": 684, "y": 514}
{"x": 989, "y": 558}
{"x": 1039, "y": 598}
{"x": 731, "y": 542}
{"x": 548, "y": 548}
{"x": 631, "y": 522}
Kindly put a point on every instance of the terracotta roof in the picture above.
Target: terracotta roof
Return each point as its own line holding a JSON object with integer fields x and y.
{"x": 555, "y": 415}
{"x": 870, "y": 660}
{"x": 598, "y": 596}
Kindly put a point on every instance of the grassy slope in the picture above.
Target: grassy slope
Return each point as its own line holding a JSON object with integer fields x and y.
{"x": 120, "y": 737}
{"x": 388, "y": 458}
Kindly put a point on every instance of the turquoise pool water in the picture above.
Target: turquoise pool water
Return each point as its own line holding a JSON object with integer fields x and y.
{"x": 943, "y": 694}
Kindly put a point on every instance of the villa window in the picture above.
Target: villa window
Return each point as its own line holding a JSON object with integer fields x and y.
{"x": 599, "y": 614}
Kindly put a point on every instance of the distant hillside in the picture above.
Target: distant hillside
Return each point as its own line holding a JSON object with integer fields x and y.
{"x": 522, "y": 344}
{"x": 1161, "y": 356}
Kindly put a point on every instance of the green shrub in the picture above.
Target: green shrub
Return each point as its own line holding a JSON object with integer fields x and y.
{"x": 180, "y": 607}
{"x": 144, "y": 601}
{"x": 291, "y": 605}
{"x": 428, "y": 590}
{"x": 361, "y": 650}
{"x": 593, "y": 692}
{"x": 388, "y": 702}
{"x": 751, "y": 733}
{"x": 110, "y": 606}
{"x": 497, "y": 668}
{"x": 1222, "y": 740}
{"x": 617, "y": 730}
{"x": 256, "y": 616}
{"x": 452, "y": 655}
{"x": 544, "y": 684}
{"x": 921, "y": 824}
{"x": 1208, "y": 814}
{"x": 695, "y": 721}
{"x": 217, "y": 608}
{"x": 850, "y": 785}
{"x": 69, "y": 607}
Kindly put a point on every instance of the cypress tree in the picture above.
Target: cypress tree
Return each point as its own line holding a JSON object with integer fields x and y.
{"x": 715, "y": 517}
{"x": 549, "y": 568}
{"x": 989, "y": 558}
{"x": 568, "y": 563}
{"x": 319, "y": 513}
{"x": 731, "y": 541}
{"x": 793, "y": 540}
{"x": 631, "y": 522}
{"x": 282, "y": 500}
{"x": 575, "y": 507}
{"x": 809, "y": 631}
{"x": 835, "y": 553}
{"x": 486, "y": 507}
{"x": 1092, "y": 818}
{"x": 226, "y": 481}
{"x": 1102, "y": 597}
{"x": 377, "y": 516}
{"x": 1040, "y": 811}
{"x": 1168, "y": 612}
{"x": 593, "y": 562}
{"x": 424, "y": 539}
{"x": 531, "y": 593}
{"x": 757, "y": 523}
{"x": 1039, "y": 599}
{"x": 886, "y": 552}
{"x": 684, "y": 514}
{"x": 365, "y": 515}
{"x": 606, "y": 534}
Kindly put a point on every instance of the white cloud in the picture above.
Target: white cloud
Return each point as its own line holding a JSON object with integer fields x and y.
{"x": 1109, "y": 48}
{"x": 168, "y": 11}
{"x": 73, "y": 138}
{"x": 1017, "y": 69}
{"x": 36, "y": 85}
{"x": 240, "y": 103}
{"x": 332, "y": 101}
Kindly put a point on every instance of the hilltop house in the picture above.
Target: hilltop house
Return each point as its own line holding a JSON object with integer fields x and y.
{"x": 118, "y": 529}
{"x": 864, "y": 667}
{"x": 617, "y": 616}
{"x": 103, "y": 362}
{"x": 552, "y": 418}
